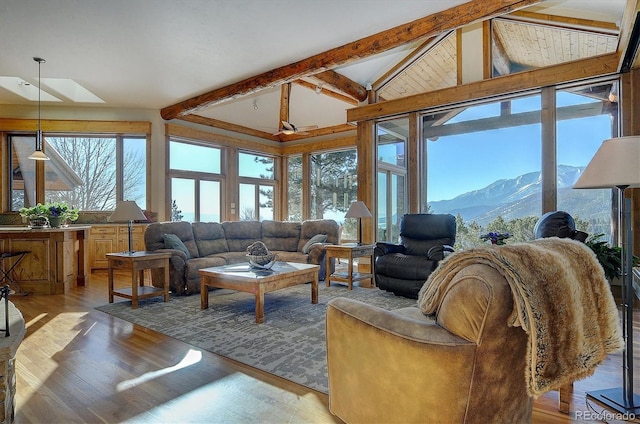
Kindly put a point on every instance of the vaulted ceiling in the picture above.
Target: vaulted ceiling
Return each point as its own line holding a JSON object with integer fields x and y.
{"x": 248, "y": 64}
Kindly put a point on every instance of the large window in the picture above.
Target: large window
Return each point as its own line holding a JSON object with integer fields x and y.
{"x": 484, "y": 166}
{"x": 196, "y": 182}
{"x": 334, "y": 185}
{"x": 485, "y": 162}
{"x": 88, "y": 172}
{"x": 586, "y": 115}
{"x": 257, "y": 188}
{"x": 392, "y": 139}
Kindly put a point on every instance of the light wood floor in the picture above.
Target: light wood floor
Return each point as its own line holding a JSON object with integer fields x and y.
{"x": 77, "y": 364}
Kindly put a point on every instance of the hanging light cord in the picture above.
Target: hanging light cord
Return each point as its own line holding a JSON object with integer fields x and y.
{"x": 39, "y": 134}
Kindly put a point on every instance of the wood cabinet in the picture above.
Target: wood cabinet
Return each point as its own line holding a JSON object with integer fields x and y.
{"x": 111, "y": 238}
{"x": 56, "y": 259}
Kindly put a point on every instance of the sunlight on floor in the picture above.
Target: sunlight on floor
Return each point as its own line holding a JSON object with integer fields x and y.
{"x": 217, "y": 399}
{"x": 35, "y": 320}
{"x": 226, "y": 399}
{"x": 192, "y": 357}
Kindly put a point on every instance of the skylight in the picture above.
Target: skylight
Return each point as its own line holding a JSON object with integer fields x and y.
{"x": 25, "y": 89}
{"x": 61, "y": 86}
{"x": 71, "y": 90}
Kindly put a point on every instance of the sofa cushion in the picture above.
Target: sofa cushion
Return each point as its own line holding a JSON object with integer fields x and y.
{"x": 318, "y": 238}
{"x": 240, "y": 234}
{"x": 318, "y": 226}
{"x": 279, "y": 235}
{"x": 209, "y": 237}
{"x": 195, "y": 265}
{"x": 154, "y": 236}
{"x": 172, "y": 241}
{"x": 233, "y": 257}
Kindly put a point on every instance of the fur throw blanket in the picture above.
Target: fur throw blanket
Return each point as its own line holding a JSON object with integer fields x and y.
{"x": 561, "y": 299}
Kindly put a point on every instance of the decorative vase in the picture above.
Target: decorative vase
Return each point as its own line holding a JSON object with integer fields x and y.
{"x": 38, "y": 222}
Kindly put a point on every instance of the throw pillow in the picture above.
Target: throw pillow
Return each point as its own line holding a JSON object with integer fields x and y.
{"x": 172, "y": 241}
{"x": 318, "y": 238}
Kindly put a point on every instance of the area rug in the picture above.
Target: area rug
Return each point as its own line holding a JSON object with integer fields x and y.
{"x": 290, "y": 343}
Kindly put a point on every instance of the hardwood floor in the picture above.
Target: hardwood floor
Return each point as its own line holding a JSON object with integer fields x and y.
{"x": 78, "y": 365}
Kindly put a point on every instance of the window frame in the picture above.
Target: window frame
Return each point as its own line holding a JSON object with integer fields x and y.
{"x": 257, "y": 183}
{"x": 196, "y": 176}
{"x": 53, "y": 128}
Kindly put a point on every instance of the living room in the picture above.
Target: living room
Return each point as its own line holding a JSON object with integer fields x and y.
{"x": 231, "y": 128}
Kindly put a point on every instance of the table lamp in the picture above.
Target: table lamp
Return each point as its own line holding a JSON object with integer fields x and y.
{"x": 358, "y": 210}
{"x": 128, "y": 211}
{"x": 616, "y": 164}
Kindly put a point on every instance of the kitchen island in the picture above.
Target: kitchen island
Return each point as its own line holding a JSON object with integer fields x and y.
{"x": 57, "y": 258}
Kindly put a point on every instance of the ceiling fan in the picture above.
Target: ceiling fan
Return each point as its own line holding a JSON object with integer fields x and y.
{"x": 288, "y": 128}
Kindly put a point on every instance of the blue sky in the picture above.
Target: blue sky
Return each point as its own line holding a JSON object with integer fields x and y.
{"x": 462, "y": 163}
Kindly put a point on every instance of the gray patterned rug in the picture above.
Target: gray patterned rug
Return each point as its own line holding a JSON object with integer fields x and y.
{"x": 290, "y": 343}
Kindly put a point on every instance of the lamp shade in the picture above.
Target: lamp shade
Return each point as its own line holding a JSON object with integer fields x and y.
{"x": 38, "y": 155}
{"x": 127, "y": 210}
{"x": 358, "y": 210}
{"x": 615, "y": 164}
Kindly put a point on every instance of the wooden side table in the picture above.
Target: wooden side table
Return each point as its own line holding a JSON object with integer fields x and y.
{"x": 137, "y": 262}
{"x": 350, "y": 252}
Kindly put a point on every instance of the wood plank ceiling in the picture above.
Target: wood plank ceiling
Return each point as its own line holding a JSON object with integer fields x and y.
{"x": 518, "y": 46}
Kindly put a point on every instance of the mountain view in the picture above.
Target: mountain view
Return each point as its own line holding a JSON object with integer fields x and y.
{"x": 520, "y": 197}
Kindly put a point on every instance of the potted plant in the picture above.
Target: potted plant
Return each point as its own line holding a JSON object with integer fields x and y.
{"x": 59, "y": 213}
{"x": 54, "y": 214}
{"x": 610, "y": 257}
{"x": 36, "y": 215}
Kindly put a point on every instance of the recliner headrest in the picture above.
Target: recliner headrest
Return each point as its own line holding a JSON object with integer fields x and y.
{"x": 558, "y": 224}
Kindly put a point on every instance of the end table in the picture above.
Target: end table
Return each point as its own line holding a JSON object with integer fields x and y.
{"x": 350, "y": 252}
{"x": 137, "y": 262}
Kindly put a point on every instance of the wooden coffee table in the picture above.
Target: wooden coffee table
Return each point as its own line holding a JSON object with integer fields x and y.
{"x": 243, "y": 278}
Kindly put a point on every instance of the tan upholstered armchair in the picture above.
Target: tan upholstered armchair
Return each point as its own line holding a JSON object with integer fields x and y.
{"x": 481, "y": 359}
{"x": 402, "y": 366}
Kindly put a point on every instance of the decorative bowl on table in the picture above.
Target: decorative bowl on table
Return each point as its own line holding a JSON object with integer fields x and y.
{"x": 259, "y": 256}
{"x": 262, "y": 261}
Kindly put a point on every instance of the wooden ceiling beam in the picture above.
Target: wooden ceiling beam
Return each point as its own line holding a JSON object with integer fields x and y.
{"x": 606, "y": 64}
{"x": 215, "y": 123}
{"x": 340, "y": 128}
{"x": 285, "y": 95}
{"x": 343, "y": 84}
{"x": 223, "y": 125}
{"x": 378, "y": 43}
{"x": 330, "y": 93}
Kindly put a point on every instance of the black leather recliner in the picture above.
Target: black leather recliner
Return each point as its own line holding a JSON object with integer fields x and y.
{"x": 424, "y": 240}
{"x": 558, "y": 224}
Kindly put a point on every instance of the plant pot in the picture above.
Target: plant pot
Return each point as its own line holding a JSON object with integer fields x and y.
{"x": 56, "y": 222}
{"x": 38, "y": 222}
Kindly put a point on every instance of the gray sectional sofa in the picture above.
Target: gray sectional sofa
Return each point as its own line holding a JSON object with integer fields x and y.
{"x": 207, "y": 244}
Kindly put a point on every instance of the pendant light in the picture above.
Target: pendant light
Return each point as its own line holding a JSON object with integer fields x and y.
{"x": 39, "y": 154}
